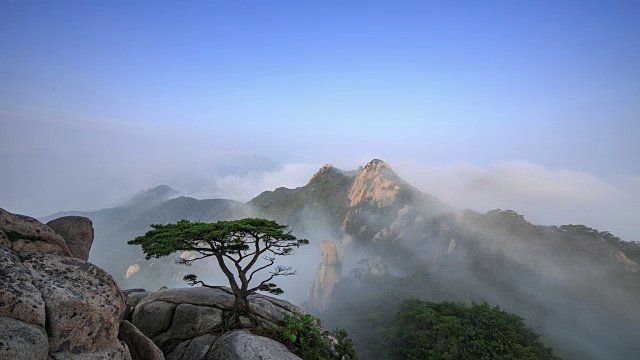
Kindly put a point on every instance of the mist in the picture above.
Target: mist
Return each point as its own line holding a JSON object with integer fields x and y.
{"x": 526, "y": 106}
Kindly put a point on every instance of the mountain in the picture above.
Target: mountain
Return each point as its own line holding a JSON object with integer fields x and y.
{"x": 115, "y": 226}
{"x": 570, "y": 282}
{"x": 146, "y": 199}
{"x": 366, "y": 205}
{"x": 577, "y": 286}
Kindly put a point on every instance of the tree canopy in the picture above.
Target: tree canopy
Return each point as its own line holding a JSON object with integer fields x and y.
{"x": 447, "y": 330}
{"x": 242, "y": 248}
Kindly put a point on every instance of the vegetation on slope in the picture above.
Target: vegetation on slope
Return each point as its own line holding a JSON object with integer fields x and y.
{"x": 423, "y": 330}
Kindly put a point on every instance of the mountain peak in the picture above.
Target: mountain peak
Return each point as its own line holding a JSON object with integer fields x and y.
{"x": 377, "y": 163}
{"x": 377, "y": 183}
{"x": 325, "y": 168}
{"x": 152, "y": 196}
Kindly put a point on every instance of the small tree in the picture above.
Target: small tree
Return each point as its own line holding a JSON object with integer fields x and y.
{"x": 237, "y": 247}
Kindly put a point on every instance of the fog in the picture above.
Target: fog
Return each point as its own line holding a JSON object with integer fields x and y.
{"x": 59, "y": 161}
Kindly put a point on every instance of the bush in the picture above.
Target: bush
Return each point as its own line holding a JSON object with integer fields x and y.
{"x": 310, "y": 341}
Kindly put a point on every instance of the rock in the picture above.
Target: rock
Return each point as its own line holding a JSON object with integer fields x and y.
{"x": 241, "y": 345}
{"x": 195, "y": 349}
{"x": 4, "y": 240}
{"x": 19, "y": 298}
{"x": 132, "y": 270}
{"x": 131, "y": 291}
{"x": 114, "y": 349}
{"x": 133, "y": 299}
{"x": 196, "y": 296}
{"x": 370, "y": 267}
{"x": 154, "y": 317}
{"x": 28, "y": 235}
{"x": 327, "y": 276}
{"x": 77, "y": 232}
{"x": 189, "y": 321}
{"x": 377, "y": 266}
{"x": 271, "y": 310}
{"x": 21, "y": 341}
{"x": 376, "y": 184}
{"x": 53, "y": 306}
{"x": 83, "y": 304}
{"x": 140, "y": 347}
{"x": 184, "y": 322}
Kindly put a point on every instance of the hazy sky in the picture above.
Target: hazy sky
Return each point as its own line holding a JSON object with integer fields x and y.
{"x": 529, "y": 105}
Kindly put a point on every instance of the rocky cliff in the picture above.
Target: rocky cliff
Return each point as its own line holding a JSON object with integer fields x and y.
{"x": 328, "y": 275}
{"x": 52, "y": 305}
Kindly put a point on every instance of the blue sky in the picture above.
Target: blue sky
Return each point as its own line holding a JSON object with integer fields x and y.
{"x": 111, "y": 97}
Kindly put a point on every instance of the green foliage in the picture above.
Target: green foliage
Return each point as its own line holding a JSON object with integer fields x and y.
{"x": 447, "y": 330}
{"x": 242, "y": 242}
{"x": 344, "y": 344}
{"x": 325, "y": 195}
{"x": 311, "y": 342}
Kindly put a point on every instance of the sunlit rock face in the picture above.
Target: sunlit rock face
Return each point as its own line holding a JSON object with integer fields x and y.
{"x": 323, "y": 169}
{"x": 131, "y": 270}
{"x": 375, "y": 184}
{"x": 328, "y": 275}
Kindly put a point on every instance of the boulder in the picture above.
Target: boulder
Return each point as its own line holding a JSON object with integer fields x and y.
{"x": 83, "y": 304}
{"x": 53, "y": 306}
{"x": 196, "y": 349}
{"x": 196, "y": 295}
{"x": 140, "y": 346}
{"x": 28, "y": 235}
{"x": 240, "y": 345}
{"x": 77, "y": 232}
{"x": 185, "y": 323}
{"x": 19, "y": 298}
{"x": 21, "y": 341}
{"x": 189, "y": 321}
{"x": 132, "y": 298}
{"x": 113, "y": 350}
{"x": 153, "y": 318}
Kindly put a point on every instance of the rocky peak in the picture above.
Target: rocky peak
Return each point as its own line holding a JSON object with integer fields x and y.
{"x": 377, "y": 184}
{"x": 324, "y": 169}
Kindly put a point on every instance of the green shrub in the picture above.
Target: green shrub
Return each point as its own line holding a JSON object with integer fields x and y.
{"x": 311, "y": 342}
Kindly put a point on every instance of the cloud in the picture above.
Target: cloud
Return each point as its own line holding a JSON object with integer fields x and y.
{"x": 243, "y": 186}
{"x": 545, "y": 196}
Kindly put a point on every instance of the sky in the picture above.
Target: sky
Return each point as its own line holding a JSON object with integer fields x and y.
{"x": 528, "y": 105}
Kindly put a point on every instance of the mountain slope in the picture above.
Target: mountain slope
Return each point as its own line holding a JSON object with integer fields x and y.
{"x": 568, "y": 281}
{"x": 358, "y": 204}
{"x": 115, "y": 226}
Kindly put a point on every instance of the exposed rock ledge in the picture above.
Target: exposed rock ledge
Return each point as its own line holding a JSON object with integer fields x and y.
{"x": 185, "y": 324}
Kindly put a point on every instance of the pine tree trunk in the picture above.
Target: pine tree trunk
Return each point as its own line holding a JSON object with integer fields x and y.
{"x": 242, "y": 304}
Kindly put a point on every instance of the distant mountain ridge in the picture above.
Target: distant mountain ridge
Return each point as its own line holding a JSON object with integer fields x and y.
{"x": 146, "y": 199}
{"x": 159, "y": 205}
